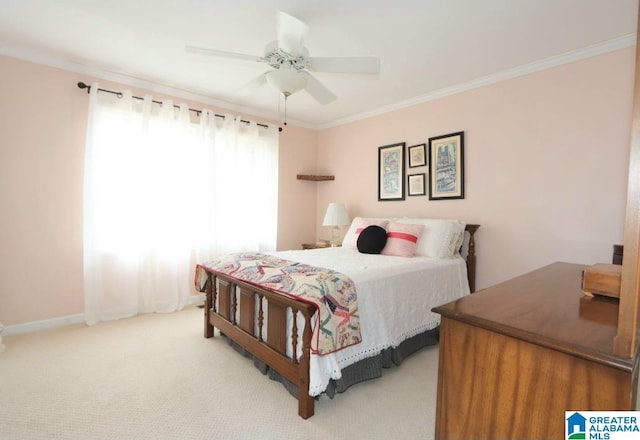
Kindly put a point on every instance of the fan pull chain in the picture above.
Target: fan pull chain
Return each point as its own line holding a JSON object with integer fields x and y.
{"x": 286, "y": 95}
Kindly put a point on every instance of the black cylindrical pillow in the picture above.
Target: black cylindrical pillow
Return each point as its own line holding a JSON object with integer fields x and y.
{"x": 372, "y": 240}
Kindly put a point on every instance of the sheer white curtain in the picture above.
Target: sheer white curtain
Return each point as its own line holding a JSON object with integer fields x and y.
{"x": 162, "y": 193}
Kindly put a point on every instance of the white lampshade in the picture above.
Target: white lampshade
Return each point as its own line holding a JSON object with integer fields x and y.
{"x": 336, "y": 216}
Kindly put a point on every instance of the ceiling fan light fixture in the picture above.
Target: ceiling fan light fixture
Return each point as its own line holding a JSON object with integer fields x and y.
{"x": 291, "y": 63}
{"x": 287, "y": 81}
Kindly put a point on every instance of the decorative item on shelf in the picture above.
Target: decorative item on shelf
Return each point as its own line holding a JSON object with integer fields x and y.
{"x": 336, "y": 216}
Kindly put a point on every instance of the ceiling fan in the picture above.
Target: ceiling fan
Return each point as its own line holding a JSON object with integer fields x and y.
{"x": 291, "y": 64}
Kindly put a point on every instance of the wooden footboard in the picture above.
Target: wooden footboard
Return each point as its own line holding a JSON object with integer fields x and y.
{"x": 238, "y": 310}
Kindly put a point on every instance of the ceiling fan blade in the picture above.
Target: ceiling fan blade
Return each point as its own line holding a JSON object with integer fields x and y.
{"x": 291, "y": 33}
{"x": 221, "y": 53}
{"x": 367, "y": 65}
{"x": 318, "y": 91}
{"x": 253, "y": 85}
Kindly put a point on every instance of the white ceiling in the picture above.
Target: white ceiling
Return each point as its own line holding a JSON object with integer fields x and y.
{"x": 427, "y": 48}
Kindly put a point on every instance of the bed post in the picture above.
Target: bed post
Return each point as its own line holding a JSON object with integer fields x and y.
{"x": 305, "y": 401}
{"x": 471, "y": 257}
{"x": 208, "y": 302}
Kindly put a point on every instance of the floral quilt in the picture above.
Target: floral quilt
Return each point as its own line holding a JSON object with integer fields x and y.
{"x": 334, "y": 294}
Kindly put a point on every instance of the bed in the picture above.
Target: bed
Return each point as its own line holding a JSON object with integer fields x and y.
{"x": 392, "y": 318}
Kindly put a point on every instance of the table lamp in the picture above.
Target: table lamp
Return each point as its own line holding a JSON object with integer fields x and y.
{"x": 336, "y": 216}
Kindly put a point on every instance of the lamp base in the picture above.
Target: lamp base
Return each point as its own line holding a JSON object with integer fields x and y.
{"x": 335, "y": 236}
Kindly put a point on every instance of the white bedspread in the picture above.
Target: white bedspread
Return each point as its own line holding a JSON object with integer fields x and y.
{"x": 395, "y": 297}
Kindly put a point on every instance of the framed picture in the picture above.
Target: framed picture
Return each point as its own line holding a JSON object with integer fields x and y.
{"x": 415, "y": 184}
{"x": 417, "y": 156}
{"x": 446, "y": 166}
{"x": 391, "y": 172}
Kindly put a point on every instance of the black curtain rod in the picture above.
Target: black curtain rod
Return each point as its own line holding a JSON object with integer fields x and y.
{"x": 82, "y": 85}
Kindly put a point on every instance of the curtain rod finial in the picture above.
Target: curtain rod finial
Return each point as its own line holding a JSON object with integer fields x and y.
{"x": 82, "y": 85}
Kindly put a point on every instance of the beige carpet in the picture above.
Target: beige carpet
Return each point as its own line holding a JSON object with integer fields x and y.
{"x": 156, "y": 377}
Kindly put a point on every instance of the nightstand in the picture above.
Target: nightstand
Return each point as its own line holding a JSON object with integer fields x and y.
{"x": 319, "y": 245}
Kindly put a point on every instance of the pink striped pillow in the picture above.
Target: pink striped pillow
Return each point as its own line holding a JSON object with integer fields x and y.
{"x": 402, "y": 239}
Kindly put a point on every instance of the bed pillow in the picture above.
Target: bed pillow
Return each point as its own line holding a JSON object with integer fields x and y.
{"x": 402, "y": 239}
{"x": 372, "y": 240}
{"x": 357, "y": 226}
{"x": 441, "y": 238}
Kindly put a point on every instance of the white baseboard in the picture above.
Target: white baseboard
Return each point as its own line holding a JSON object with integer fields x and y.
{"x": 35, "y": 326}
{"x": 46, "y": 324}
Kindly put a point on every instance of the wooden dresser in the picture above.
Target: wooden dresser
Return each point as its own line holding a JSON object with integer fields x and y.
{"x": 515, "y": 356}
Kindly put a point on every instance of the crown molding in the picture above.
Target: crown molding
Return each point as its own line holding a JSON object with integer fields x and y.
{"x": 131, "y": 81}
{"x": 547, "y": 63}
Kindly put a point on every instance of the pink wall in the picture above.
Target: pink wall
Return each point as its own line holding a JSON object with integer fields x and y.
{"x": 546, "y": 159}
{"x": 42, "y": 131}
{"x": 546, "y": 166}
{"x": 42, "y": 135}
{"x": 297, "y": 198}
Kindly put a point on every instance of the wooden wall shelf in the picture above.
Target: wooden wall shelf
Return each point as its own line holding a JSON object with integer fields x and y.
{"x": 314, "y": 177}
